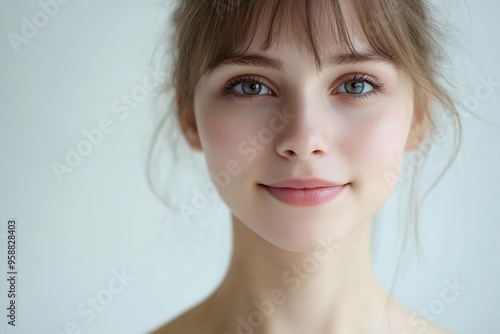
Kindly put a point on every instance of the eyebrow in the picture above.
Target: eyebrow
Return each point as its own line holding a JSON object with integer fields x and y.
{"x": 278, "y": 65}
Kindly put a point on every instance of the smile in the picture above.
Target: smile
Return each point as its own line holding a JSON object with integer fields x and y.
{"x": 306, "y": 196}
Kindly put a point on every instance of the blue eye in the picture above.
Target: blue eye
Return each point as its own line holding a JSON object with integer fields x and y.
{"x": 246, "y": 87}
{"x": 355, "y": 86}
{"x": 251, "y": 88}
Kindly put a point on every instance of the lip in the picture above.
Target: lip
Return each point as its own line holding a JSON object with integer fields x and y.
{"x": 304, "y": 192}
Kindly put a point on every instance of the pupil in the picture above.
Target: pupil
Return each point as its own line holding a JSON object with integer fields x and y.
{"x": 355, "y": 87}
{"x": 251, "y": 88}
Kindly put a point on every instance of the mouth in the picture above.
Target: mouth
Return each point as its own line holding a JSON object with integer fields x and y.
{"x": 304, "y": 192}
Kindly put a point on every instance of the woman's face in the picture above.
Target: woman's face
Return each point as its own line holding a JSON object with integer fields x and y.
{"x": 276, "y": 117}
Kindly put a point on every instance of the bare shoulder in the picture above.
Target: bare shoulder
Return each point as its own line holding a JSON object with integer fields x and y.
{"x": 435, "y": 329}
{"x": 191, "y": 321}
{"x": 181, "y": 324}
{"x": 411, "y": 322}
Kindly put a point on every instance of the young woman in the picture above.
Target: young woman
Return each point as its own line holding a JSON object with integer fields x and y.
{"x": 302, "y": 110}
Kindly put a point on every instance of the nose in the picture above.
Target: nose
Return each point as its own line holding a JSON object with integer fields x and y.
{"x": 305, "y": 136}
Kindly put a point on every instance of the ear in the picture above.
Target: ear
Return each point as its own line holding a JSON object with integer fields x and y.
{"x": 420, "y": 125}
{"x": 188, "y": 123}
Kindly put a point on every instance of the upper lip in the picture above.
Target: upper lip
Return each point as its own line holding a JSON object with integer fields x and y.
{"x": 309, "y": 183}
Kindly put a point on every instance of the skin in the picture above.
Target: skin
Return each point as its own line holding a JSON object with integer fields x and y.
{"x": 309, "y": 266}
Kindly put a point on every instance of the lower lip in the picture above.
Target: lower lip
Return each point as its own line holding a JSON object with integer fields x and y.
{"x": 305, "y": 197}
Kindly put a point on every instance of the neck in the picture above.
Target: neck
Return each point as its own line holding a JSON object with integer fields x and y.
{"x": 271, "y": 290}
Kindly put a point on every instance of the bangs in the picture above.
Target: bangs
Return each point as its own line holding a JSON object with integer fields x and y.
{"x": 274, "y": 20}
{"x": 224, "y": 29}
{"x": 230, "y": 30}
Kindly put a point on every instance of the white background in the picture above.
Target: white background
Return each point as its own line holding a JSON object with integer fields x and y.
{"x": 74, "y": 235}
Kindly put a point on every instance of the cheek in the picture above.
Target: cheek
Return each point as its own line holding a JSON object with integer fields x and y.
{"x": 376, "y": 140}
{"x": 218, "y": 138}
{"x": 374, "y": 147}
{"x": 222, "y": 132}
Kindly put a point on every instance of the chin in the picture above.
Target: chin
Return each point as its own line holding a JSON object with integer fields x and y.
{"x": 300, "y": 229}
{"x": 304, "y": 232}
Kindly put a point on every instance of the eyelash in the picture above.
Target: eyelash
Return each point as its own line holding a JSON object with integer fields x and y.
{"x": 228, "y": 88}
{"x": 378, "y": 87}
